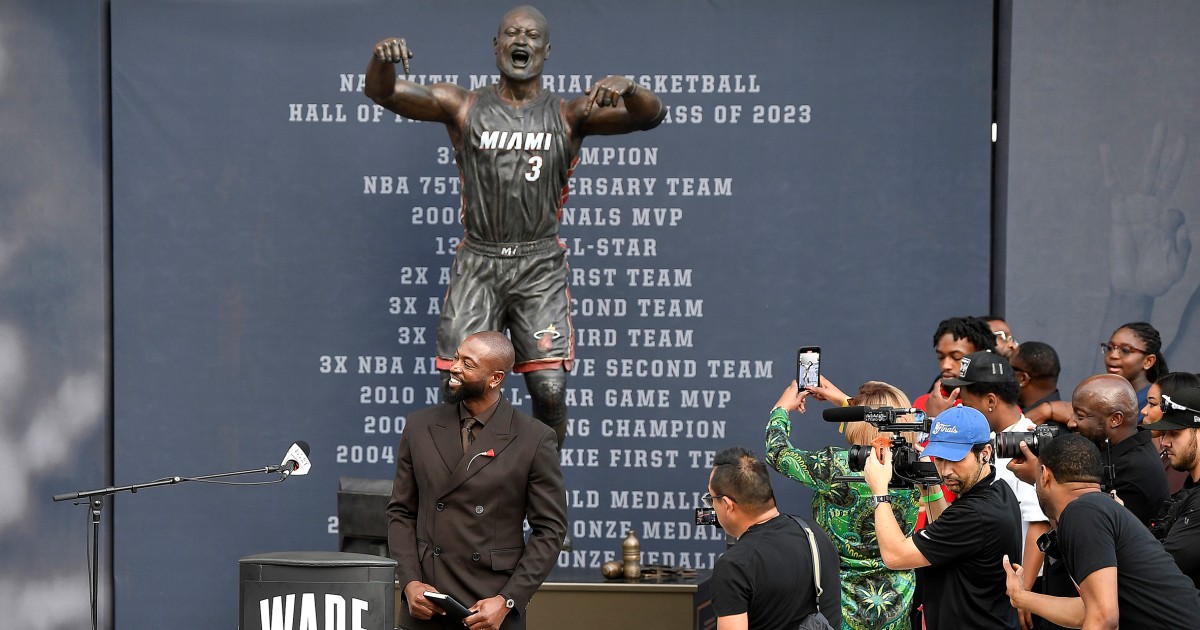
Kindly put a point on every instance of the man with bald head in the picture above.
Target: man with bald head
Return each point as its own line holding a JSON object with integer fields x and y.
{"x": 1106, "y": 412}
{"x": 468, "y": 474}
{"x": 515, "y": 145}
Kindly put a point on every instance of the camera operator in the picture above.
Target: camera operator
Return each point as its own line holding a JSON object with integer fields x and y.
{"x": 956, "y": 554}
{"x": 987, "y": 383}
{"x": 1103, "y": 548}
{"x": 765, "y": 581}
{"x": 843, "y": 509}
{"x": 1178, "y": 523}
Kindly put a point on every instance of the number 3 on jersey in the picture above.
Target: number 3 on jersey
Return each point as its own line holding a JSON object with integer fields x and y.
{"x": 535, "y": 168}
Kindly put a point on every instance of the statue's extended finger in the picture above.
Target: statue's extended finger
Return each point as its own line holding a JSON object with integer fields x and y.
{"x": 1110, "y": 175}
{"x": 1153, "y": 159}
{"x": 595, "y": 94}
{"x": 1172, "y": 168}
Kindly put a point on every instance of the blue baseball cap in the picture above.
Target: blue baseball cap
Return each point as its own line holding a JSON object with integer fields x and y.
{"x": 955, "y": 431}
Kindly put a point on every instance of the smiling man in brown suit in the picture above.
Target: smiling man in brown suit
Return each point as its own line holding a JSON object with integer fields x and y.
{"x": 469, "y": 473}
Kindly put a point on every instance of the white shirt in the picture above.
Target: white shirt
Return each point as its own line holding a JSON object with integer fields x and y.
{"x": 1031, "y": 510}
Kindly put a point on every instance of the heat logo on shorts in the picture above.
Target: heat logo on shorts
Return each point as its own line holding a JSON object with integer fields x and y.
{"x": 546, "y": 337}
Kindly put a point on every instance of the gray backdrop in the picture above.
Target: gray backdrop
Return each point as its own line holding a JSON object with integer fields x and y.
{"x": 255, "y": 244}
{"x": 54, "y": 381}
{"x": 1086, "y": 255}
{"x": 246, "y": 247}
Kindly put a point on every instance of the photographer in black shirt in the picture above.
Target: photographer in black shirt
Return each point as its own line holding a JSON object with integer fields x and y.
{"x": 1102, "y": 545}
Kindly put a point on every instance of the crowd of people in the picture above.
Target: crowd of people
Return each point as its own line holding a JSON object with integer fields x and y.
{"x": 1082, "y": 532}
{"x": 1085, "y": 514}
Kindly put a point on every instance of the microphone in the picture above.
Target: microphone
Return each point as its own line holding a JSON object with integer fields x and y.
{"x": 859, "y": 413}
{"x": 488, "y": 453}
{"x": 295, "y": 462}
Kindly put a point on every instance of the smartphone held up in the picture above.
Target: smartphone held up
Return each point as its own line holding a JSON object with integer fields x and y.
{"x": 808, "y": 367}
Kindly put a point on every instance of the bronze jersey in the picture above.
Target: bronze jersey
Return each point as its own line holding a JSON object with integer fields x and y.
{"x": 514, "y": 164}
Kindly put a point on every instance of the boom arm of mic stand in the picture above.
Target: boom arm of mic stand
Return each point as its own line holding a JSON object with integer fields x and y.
{"x": 96, "y": 503}
{"x": 133, "y": 488}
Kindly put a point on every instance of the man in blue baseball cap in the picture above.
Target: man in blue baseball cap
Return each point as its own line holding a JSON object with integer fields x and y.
{"x": 956, "y": 555}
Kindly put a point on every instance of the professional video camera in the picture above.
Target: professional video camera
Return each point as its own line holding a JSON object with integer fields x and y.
{"x": 907, "y": 467}
{"x": 1008, "y": 443}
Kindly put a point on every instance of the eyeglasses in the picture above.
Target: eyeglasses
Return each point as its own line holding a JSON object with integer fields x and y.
{"x": 707, "y": 499}
{"x": 1003, "y": 336}
{"x": 1171, "y": 404}
{"x": 1107, "y": 348}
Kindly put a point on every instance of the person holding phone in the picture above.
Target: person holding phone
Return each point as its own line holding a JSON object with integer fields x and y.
{"x": 873, "y": 596}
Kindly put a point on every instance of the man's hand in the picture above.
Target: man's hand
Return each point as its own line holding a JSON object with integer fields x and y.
{"x": 489, "y": 614}
{"x": 1150, "y": 244}
{"x": 418, "y": 606}
{"x": 826, "y": 390}
{"x": 394, "y": 50}
{"x": 1025, "y": 466}
{"x": 1015, "y": 586}
{"x": 878, "y": 473}
{"x": 607, "y": 92}
{"x": 937, "y": 403}
{"x": 792, "y": 399}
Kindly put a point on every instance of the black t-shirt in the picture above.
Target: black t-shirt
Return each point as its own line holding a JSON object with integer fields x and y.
{"x": 1183, "y": 537}
{"x": 1139, "y": 478}
{"x": 768, "y": 575}
{"x": 1094, "y": 533}
{"x": 964, "y": 586}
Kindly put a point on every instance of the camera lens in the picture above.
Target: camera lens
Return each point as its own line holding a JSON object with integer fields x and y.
{"x": 1008, "y": 444}
{"x": 857, "y": 457}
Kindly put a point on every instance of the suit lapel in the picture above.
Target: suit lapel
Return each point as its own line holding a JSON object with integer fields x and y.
{"x": 496, "y": 435}
{"x": 447, "y": 437}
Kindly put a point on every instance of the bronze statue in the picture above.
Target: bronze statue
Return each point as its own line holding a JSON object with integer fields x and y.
{"x": 515, "y": 145}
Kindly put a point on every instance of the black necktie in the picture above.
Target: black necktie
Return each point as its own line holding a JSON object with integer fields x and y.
{"x": 467, "y": 437}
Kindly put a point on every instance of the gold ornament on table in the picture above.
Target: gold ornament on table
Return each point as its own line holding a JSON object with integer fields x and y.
{"x": 612, "y": 569}
{"x": 631, "y": 553}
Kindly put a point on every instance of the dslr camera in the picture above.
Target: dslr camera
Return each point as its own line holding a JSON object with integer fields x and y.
{"x": 1008, "y": 443}
{"x": 907, "y": 467}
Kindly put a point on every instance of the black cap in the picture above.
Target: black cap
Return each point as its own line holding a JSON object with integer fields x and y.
{"x": 984, "y": 366}
{"x": 1180, "y": 410}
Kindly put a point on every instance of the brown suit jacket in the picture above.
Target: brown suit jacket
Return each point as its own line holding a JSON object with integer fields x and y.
{"x": 459, "y": 528}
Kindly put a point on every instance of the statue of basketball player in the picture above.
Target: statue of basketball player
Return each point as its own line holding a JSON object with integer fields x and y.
{"x": 515, "y": 144}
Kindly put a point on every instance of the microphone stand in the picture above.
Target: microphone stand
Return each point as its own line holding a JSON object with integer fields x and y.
{"x": 95, "y": 500}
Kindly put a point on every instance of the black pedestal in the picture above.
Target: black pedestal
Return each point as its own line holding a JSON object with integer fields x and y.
{"x": 334, "y": 590}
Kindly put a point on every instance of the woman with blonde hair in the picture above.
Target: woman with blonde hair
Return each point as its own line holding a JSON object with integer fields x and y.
{"x": 873, "y": 596}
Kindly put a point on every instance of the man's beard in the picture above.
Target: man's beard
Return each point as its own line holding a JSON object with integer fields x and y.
{"x": 466, "y": 391}
{"x": 1184, "y": 459}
